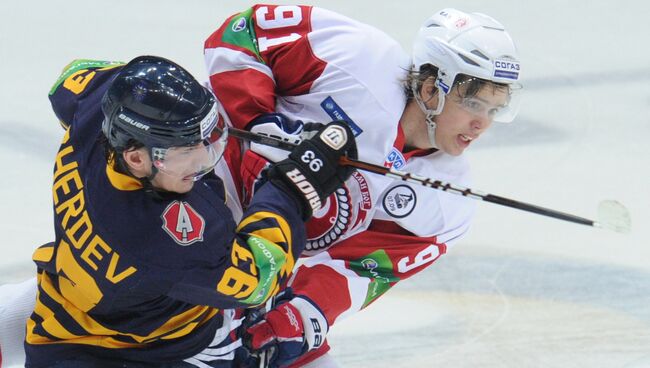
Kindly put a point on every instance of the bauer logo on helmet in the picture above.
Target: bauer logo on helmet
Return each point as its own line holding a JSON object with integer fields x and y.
{"x": 130, "y": 121}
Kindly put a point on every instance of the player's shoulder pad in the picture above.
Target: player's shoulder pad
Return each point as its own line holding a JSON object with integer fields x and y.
{"x": 75, "y": 83}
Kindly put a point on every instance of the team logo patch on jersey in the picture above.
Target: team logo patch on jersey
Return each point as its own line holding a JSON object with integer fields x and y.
{"x": 330, "y": 221}
{"x": 337, "y": 113}
{"x": 183, "y": 223}
{"x": 334, "y": 219}
{"x": 395, "y": 159}
{"x": 400, "y": 201}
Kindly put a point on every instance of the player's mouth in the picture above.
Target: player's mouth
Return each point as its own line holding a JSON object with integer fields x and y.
{"x": 464, "y": 140}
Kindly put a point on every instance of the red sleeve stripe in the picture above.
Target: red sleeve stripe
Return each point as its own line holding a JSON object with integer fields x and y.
{"x": 250, "y": 94}
{"x": 221, "y": 59}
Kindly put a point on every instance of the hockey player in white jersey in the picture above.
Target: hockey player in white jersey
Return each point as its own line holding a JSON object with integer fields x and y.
{"x": 274, "y": 67}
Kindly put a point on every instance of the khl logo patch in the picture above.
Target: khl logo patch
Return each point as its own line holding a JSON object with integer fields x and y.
{"x": 395, "y": 159}
{"x": 183, "y": 223}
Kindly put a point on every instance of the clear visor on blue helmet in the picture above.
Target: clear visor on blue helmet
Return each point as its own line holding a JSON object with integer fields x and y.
{"x": 195, "y": 161}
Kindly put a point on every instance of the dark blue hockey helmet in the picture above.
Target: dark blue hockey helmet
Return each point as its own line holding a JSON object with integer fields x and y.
{"x": 155, "y": 102}
{"x": 158, "y": 103}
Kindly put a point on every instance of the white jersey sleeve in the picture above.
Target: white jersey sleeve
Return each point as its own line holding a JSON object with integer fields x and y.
{"x": 426, "y": 211}
{"x": 310, "y": 64}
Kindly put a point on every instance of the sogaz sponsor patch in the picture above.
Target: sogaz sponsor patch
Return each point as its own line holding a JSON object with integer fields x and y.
{"x": 506, "y": 69}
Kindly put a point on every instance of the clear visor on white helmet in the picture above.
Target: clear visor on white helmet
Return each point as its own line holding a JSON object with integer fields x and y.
{"x": 497, "y": 102}
{"x": 191, "y": 162}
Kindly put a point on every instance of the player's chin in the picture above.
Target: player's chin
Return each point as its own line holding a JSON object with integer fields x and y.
{"x": 184, "y": 186}
{"x": 453, "y": 149}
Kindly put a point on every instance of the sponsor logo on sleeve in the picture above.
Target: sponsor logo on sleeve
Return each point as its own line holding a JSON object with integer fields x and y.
{"x": 399, "y": 201}
{"x": 183, "y": 223}
{"x": 379, "y": 268}
{"x": 337, "y": 113}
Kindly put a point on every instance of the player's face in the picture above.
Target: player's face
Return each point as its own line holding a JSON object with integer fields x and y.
{"x": 182, "y": 166}
{"x": 179, "y": 167}
{"x": 464, "y": 119}
{"x": 140, "y": 164}
{"x": 171, "y": 183}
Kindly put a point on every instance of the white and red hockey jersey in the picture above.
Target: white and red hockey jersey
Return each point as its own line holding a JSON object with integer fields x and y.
{"x": 311, "y": 64}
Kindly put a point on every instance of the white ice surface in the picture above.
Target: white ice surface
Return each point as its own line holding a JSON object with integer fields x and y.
{"x": 520, "y": 290}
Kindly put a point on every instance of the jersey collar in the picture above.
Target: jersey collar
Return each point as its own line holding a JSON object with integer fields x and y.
{"x": 408, "y": 153}
{"x": 120, "y": 181}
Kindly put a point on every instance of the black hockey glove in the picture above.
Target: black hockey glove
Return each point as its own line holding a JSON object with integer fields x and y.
{"x": 312, "y": 171}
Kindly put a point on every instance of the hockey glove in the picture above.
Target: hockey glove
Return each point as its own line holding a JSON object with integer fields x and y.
{"x": 275, "y": 126}
{"x": 287, "y": 332}
{"x": 280, "y": 127}
{"x": 312, "y": 171}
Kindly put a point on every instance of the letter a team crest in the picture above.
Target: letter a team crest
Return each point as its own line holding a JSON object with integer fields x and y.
{"x": 183, "y": 223}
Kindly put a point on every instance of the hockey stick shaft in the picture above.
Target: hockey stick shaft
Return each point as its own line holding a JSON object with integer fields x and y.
{"x": 465, "y": 192}
{"x": 427, "y": 182}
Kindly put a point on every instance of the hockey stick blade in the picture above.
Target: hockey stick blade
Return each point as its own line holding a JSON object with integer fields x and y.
{"x": 613, "y": 216}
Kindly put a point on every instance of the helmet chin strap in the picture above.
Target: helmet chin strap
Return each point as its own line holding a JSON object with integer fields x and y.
{"x": 154, "y": 172}
{"x": 122, "y": 167}
{"x": 428, "y": 113}
{"x": 148, "y": 186}
{"x": 145, "y": 181}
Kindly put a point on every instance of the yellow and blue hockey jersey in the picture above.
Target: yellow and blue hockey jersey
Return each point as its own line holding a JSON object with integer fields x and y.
{"x": 137, "y": 278}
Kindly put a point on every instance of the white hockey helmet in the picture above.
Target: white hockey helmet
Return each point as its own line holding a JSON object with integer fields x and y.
{"x": 472, "y": 44}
